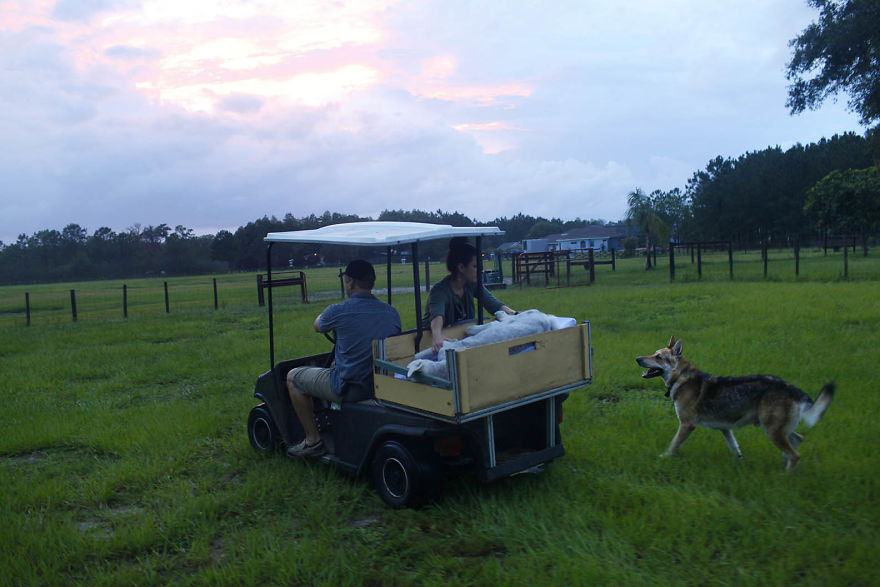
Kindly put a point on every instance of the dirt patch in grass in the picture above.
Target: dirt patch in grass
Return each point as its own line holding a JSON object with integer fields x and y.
{"x": 26, "y": 459}
{"x": 218, "y": 551}
{"x": 51, "y": 453}
{"x": 365, "y": 522}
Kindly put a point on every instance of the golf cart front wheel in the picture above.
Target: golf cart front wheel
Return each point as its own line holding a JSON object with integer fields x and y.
{"x": 262, "y": 431}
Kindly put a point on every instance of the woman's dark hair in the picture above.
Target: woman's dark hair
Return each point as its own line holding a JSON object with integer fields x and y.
{"x": 460, "y": 251}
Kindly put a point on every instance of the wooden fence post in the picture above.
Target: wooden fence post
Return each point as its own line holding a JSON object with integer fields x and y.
{"x": 73, "y": 303}
{"x": 167, "y": 306}
{"x": 215, "y": 293}
{"x": 730, "y": 257}
{"x": 556, "y": 268}
{"x": 428, "y": 274}
{"x": 592, "y": 267}
{"x": 699, "y": 260}
{"x": 764, "y": 255}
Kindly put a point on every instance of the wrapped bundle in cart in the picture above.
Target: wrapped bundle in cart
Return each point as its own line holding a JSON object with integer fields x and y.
{"x": 493, "y": 411}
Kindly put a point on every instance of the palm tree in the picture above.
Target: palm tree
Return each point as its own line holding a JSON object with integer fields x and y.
{"x": 642, "y": 214}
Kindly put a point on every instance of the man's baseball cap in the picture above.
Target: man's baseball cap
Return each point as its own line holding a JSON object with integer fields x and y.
{"x": 360, "y": 269}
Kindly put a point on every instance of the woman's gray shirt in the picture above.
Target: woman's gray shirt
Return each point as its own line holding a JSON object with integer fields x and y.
{"x": 442, "y": 301}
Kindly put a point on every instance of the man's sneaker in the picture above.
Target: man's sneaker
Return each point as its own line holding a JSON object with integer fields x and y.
{"x": 304, "y": 449}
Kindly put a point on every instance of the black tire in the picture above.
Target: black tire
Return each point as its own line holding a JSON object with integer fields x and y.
{"x": 402, "y": 478}
{"x": 262, "y": 431}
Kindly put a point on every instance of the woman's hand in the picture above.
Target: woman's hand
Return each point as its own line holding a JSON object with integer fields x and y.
{"x": 437, "y": 338}
{"x": 508, "y": 311}
{"x": 437, "y": 342}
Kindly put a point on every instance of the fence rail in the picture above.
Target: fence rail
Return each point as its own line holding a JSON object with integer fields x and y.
{"x": 25, "y": 305}
{"x": 835, "y": 243}
{"x": 150, "y": 296}
{"x": 550, "y": 264}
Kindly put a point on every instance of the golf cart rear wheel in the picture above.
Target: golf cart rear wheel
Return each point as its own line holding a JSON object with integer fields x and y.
{"x": 262, "y": 431}
{"x": 402, "y": 478}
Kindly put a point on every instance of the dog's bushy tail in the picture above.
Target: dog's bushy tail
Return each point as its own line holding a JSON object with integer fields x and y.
{"x": 815, "y": 412}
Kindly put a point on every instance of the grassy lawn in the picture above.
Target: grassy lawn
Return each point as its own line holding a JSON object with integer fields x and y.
{"x": 124, "y": 456}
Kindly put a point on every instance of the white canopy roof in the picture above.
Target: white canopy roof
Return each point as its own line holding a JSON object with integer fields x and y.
{"x": 379, "y": 233}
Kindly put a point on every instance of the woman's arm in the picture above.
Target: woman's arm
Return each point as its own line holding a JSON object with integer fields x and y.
{"x": 490, "y": 302}
{"x": 437, "y": 337}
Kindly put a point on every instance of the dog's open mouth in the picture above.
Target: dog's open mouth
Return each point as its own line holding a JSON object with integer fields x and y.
{"x": 652, "y": 372}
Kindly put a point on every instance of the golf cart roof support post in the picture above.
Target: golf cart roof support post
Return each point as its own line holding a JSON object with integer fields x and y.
{"x": 269, "y": 298}
{"x": 479, "y": 278}
{"x": 417, "y": 287}
{"x": 388, "y": 270}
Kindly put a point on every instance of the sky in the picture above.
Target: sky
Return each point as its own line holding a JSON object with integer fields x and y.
{"x": 212, "y": 114}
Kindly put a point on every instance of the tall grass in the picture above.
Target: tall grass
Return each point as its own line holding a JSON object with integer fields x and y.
{"x": 124, "y": 457}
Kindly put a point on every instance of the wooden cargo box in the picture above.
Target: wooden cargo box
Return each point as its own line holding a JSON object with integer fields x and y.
{"x": 487, "y": 378}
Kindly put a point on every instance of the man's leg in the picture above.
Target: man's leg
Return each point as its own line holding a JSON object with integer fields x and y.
{"x": 305, "y": 410}
{"x": 303, "y": 384}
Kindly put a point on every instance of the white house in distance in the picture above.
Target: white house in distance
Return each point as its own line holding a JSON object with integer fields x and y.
{"x": 598, "y": 238}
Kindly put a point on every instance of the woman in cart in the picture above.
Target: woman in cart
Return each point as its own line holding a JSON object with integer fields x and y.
{"x": 451, "y": 299}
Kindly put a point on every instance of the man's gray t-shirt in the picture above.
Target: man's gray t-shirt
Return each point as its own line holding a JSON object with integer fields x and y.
{"x": 358, "y": 321}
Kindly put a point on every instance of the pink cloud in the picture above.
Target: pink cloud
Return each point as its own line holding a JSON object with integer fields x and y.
{"x": 484, "y": 126}
{"x": 483, "y": 95}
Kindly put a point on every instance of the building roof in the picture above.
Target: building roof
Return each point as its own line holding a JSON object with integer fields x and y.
{"x": 510, "y": 246}
{"x": 591, "y": 231}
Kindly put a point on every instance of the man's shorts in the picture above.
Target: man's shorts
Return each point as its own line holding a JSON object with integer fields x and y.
{"x": 314, "y": 381}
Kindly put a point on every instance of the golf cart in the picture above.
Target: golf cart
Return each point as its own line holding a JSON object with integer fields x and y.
{"x": 497, "y": 413}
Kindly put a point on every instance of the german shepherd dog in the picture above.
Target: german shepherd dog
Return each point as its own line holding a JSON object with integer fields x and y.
{"x": 725, "y": 403}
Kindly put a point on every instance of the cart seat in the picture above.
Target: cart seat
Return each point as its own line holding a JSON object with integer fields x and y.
{"x": 359, "y": 391}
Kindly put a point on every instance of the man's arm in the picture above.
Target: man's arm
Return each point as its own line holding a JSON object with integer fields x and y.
{"x": 326, "y": 320}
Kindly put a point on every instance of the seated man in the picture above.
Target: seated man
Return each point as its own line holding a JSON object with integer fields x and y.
{"x": 358, "y": 321}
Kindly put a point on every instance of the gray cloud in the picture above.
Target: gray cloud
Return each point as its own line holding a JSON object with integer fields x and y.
{"x": 85, "y": 10}
{"x": 241, "y": 103}
{"x": 130, "y": 53}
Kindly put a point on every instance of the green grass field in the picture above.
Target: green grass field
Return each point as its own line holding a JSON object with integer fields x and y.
{"x": 124, "y": 456}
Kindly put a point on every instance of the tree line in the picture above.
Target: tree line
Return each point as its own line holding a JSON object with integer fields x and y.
{"x": 763, "y": 197}
{"x": 73, "y": 254}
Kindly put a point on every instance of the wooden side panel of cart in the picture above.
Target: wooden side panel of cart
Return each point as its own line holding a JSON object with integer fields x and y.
{"x": 492, "y": 374}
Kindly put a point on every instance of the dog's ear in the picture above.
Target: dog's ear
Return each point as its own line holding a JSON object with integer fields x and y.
{"x": 671, "y": 342}
{"x": 676, "y": 350}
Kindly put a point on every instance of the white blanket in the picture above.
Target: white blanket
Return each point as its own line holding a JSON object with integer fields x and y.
{"x": 504, "y": 327}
